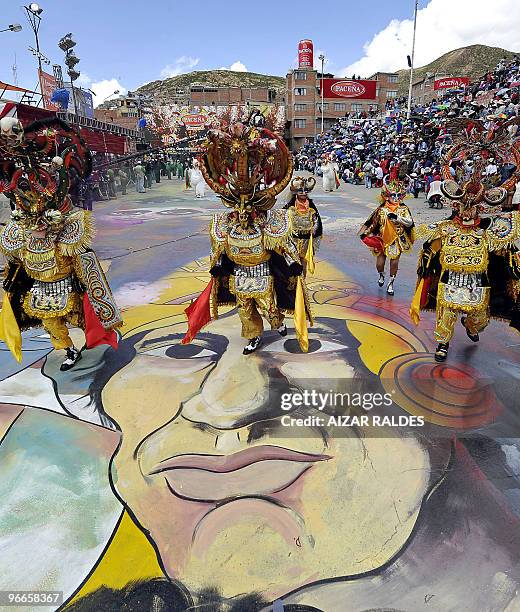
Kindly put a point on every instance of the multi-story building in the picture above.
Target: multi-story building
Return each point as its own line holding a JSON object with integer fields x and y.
{"x": 387, "y": 87}
{"x": 423, "y": 90}
{"x": 201, "y": 94}
{"x": 304, "y": 103}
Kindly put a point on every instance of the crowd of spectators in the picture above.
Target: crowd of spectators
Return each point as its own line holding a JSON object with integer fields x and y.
{"x": 110, "y": 178}
{"x": 368, "y": 148}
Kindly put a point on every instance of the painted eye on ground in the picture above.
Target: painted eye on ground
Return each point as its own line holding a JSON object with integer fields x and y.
{"x": 290, "y": 345}
{"x": 180, "y": 351}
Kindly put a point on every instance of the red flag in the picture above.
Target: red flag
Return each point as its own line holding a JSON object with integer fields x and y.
{"x": 95, "y": 333}
{"x": 198, "y": 313}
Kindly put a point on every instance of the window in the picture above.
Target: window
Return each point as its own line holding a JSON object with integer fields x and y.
{"x": 300, "y": 123}
{"x": 356, "y": 107}
{"x": 300, "y": 76}
{"x": 393, "y": 78}
{"x": 325, "y": 106}
{"x": 328, "y": 123}
{"x": 391, "y": 94}
{"x": 340, "y": 106}
{"x": 300, "y": 91}
{"x": 300, "y": 107}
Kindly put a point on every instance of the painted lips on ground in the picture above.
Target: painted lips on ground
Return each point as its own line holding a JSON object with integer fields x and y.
{"x": 262, "y": 470}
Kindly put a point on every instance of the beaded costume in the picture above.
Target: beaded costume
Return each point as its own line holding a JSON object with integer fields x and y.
{"x": 389, "y": 231}
{"x": 305, "y": 221}
{"x": 469, "y": 264}
{"x": 254, "y": 262}
{"x": 53, "y": 277}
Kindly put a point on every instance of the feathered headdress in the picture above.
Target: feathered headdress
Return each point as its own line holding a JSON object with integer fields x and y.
{"x": 247, "y": 166}
{"x": 39, "y": 165}
{"x": 472, "y": 141}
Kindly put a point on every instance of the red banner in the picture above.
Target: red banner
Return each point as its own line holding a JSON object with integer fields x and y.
{"x": 48, "y": 85}
{"x": 451, "y": 83}
{"x": 349, "y": 88}
{"x": 305, "y": 54}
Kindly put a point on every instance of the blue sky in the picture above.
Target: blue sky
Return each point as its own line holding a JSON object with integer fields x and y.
{"x": 134, "y": 42}
{"x": 124, "y": 43}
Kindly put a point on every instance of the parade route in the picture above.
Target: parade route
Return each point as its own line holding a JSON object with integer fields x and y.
{"x": 154, "y": 249}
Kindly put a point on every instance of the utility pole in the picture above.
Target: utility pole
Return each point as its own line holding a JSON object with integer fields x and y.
{"x": 322, "y": 59}
{"x": 33, "y": 12}
{"x": 409, "y": 108}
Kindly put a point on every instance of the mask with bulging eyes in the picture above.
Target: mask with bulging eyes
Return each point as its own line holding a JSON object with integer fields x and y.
{"x": 470, "y": 199}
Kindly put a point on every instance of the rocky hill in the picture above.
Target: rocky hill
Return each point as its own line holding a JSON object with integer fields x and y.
{"x": 472, "y": 61}
{"x": 168, "y": 89}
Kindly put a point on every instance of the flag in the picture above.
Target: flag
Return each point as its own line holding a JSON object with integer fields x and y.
{"x": 9, "y": 330}
{"x": 95, "y": 333}
{"x": 336, "y": 178}
{"x": 309, "y": 256}
{"x": 389, "y": 234}
{"x": 198, "y": 313}
{"x": 416, "y": 303}
{"x": 300, "y": 317}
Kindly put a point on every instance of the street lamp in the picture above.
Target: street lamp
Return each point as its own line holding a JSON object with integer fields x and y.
{"x": 67, "y": 44}
{"x": 33, "y": 13}
{"x": 322, "y": 60}
{"x": 114, "y": 93}
{"x": 14, "y": 27}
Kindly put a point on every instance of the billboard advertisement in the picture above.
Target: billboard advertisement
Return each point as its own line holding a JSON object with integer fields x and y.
{"x": 451, "y": 83}
{"x": 349, "y": 88}
{"x": 84, "y": 102}
{"x": 48, "y": 85}
{"x": 305, "y": 54}
{"x": 195, "y": 121}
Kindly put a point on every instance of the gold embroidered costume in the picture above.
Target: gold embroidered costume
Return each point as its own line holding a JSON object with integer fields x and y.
{"x": 389, "y": 231}
{"x": 47, "y": 242}
{"x": 307, "y": 228}
{"x": 254, "y": 262}
{"x": 469, "y": 264}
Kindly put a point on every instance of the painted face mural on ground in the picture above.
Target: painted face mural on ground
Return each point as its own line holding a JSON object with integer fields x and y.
{"x": 205, "y": 466}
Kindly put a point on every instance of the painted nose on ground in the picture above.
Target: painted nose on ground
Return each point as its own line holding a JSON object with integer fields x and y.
{"x": 235, "y": 393}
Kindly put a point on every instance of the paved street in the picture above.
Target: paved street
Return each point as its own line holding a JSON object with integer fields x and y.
{"x": 101, "y": 490}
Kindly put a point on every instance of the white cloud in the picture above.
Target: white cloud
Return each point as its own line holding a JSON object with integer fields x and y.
{"x": 181, "y": 65}
{"x": 442, "y": 25}
{"x": 328, "y": 64}
{"x": 84, "y": 81}
{"x": 237, "y": 66}
{"x": 106, "y": 88}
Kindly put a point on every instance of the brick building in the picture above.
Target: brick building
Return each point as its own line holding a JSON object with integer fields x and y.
{"x": 200, "y": 94}
{"x": 387, "y": 87}
{"x": 423, "y": 91}
{"x": 303, "y": 103}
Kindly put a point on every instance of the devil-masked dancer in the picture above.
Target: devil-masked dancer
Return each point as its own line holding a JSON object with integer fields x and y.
{"x": 254, "y": 262}
{"x": 469, "y": 265}
{"x": 53, "y": 278}
{"x": 389, "y": 231}
{"x": 305, "y": 221}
